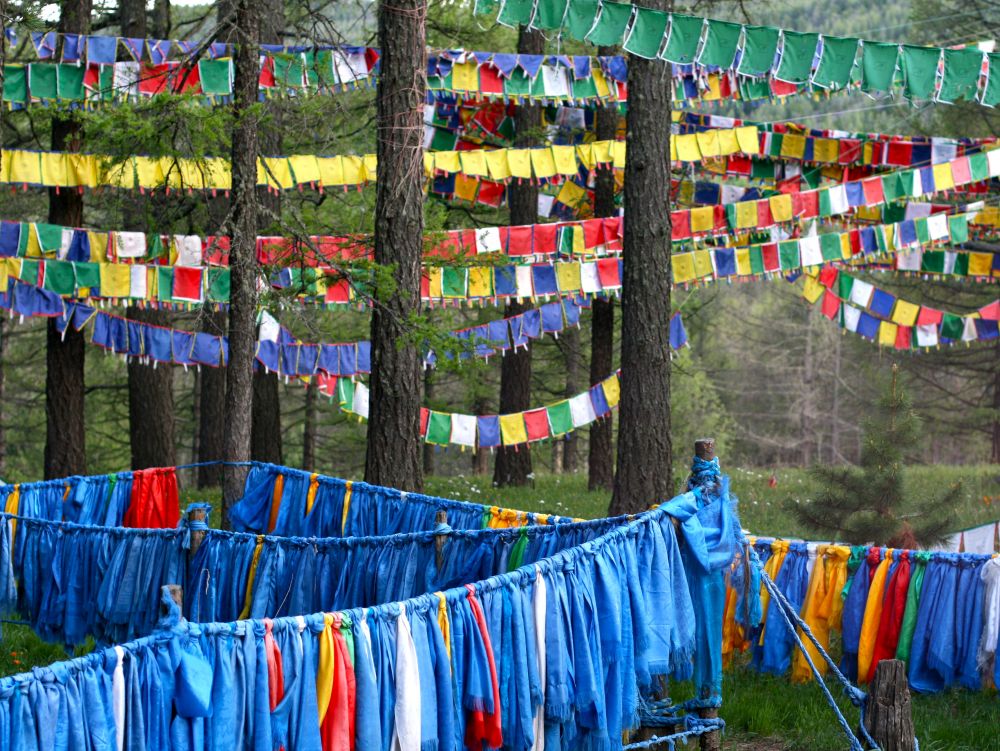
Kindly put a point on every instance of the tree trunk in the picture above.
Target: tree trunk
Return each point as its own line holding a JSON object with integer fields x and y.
{"x": 600, "y": 459}
{"x": 645, "y": 471}
{"x": 161, "y": 19}
{"x": 393, "y": 451}
{"x": 132, "y": 19}
{"x": 151, "y": 404}
{"x": 513, "y": 464}
{"x": 211, "y": 398}
{"x": 65, "y": 452}
{"x": 889, "y": 718}
{"x": 242, "y": 261}
{"x": 265, "y": 442}
{"x": 309, "y": 428}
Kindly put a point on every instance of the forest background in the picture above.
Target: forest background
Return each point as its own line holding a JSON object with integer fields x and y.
{"x": 772, "y": 380}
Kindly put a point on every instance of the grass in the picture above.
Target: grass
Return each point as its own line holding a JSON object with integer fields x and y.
{"x": 762, "y": 712}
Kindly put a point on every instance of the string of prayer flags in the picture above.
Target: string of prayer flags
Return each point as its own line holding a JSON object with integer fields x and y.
{"x": 800, "y": 60}
{"x": 879, "y": 316}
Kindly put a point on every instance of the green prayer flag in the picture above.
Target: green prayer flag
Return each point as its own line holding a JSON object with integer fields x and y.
{"x": 721, "y": 40}
{"x": 87, "y": 274}
{"x": 59, "y": 278}
{"x": 443, "y": 140}
{"x": 912, "y": 606}
{"x": 756, "y": 259}
{"x": 580, "y": 17}
{"x": 825, "y": 204}
{"x": 919, "y": 65}
{"x": 788, "y": 255}
{"x": 438, "y": 428}
{"x": 516, "y": 12}
{"x": 932, "y": 261}
{"x": 29, "y": 270}
{"x": 560, "y": 418}
{"x": 797, "y": 55}
{"x": 215, "y": 77}
{"x": 106, "y": 82}
{"x": 836, "y": 62}
{"x": 952, "y": 326}
{"x": 893, "y": 212}
{"x": 961, "y": 75}
{"x": 776, "y": 140}
{"x": 845, "y": 283}
{"x": 754, "y": 88}
{"x": 923, "y": 231}
{"x": 813, "y": 176}
{"x": 891, "y": 188}
{"x": 42, "y": 81}
{"x": 345, "y": 392}
{"x": 549, "y": 15}
{"x": 646, "y": 35}
{"x": 878, "y": 66}
{"x": 15, "y": 84}
{"x": 319, "y": 69}
{"x": 761, "y": 169}
{"x": 682, "y": 43}
{"x": 49, "y": 237}
{"x": 958, "y": 227}
{"x": 518, "y": 84}
{"x": 760, "y": 45}
{"x": 288, "y": 70}
{"x": 584, "y": 88}
{"x": 907, "y": 183}
{"x": 979, "y": 167}
{"x": 991, "y": 94}
{"x": 829, "y": 247}
{"x": 69, "y": 79}
{"x": 218, "y": 284}
{"x": 454, "y": 281}
{"x": 962, "y": 264}
{"x": 610, "y": 26}
{"x": 24, "y": 235}
{"x": 164, "y": 283}
{"x": 155, "y": 248}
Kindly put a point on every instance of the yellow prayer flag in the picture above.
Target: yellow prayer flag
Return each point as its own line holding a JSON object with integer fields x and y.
{"x": 708, "y": 143}
{"x": 305, "y": 168}
{"x": 466, "y": 188}
{"x": 612, "y": 390}
{"x": 728, "y": 143}
{"x": 353, "y": 170}
{"x": 474, "y": 162}
{"x": 905, "y": 313}
{"x": 25, "y": 166}
{"x": 714, "y": 91}
{"x": 781, "y": 207}
{"x": 512, "y": 429}
{"x": 542, "y": 163}
{"x": 564, "y": 158}
{"x": 465, "y": 77}
{"x": 116, "y": 279}
{"x": 480, "y": 281}
{"x": 702, "y": 219}
{"x": 943, "y": 179}
{"x": 435, "y": 276}
{"x": 601, "y": 151}
{"x": 826, "y": 150}
{"x": 600, "y": 82}
{"x": 332, "y": 171}
{"x": 83, "y": 169}
{"x": 703, "y": 263}
{"x": 618, "y": 154}
{"x": 793, "y": 146}
{"x": 276, "y": 172}
{"x": 980, "y": 264}
{"x": 519, "y": 161}
{"x": 748, "y": 140}
{"x": 743, "y": 267}
{"x": 447, "y": 161}
{"x": 55, "y": 170}
{"x": 887, "y": 334}
{"x": 812, "y": 290}
{"x": 571, "y": 194}
{"x": 686, "y": 148}
{"x": 370, "y": 162}
{"x": 497, "y": 162}
{"x": 568, "y": 276}
{"x": 746, "y": 214}
{"x": 682, "y": 265}
{"x": 3, "y": 277}
{"x": 585, "y": 155}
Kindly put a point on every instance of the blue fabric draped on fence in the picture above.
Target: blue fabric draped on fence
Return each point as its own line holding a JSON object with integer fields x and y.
{"x": 559, "y": 651}
{"x": 313, "y": 505}
{"x": 939, "y": 612}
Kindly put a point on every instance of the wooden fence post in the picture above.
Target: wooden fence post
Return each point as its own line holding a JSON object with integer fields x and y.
{"x": 197, "y": 535}
{"x": 441, "y": 517}
{"x": 888, "y": 718}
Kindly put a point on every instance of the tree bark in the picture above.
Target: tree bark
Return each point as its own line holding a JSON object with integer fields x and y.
{"x": 309, "y": 429}
{"x": 161, "y": 19}
{"x": 65, "y": 451}
{"x": 428, "y": 396}
{"x": 889, "y": 718}
{"x": 513, "y": 463}
{"x": 265, "y": 443}
{"x": 132, "y": 18}
{"x": 151, "y": 404}
{"x": 211, "y": 398}
{"x": 645, "y": 471}
{"x": 600, "y": 458}
{"x": 242, "y": 261}
{"x": 393, "y": 454}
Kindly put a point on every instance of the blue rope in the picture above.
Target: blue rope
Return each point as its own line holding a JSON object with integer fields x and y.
{"x": 693, "y": 726}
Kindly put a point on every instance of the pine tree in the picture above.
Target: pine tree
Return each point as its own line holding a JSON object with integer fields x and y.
{"x": 868, "y": 504}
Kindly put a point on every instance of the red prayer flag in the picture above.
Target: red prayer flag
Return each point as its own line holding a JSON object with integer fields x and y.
{"x": 872, "y": 188}
{"x": 831, "y": 305}
{"x": 536, "y": 423}
{"x": 520, "y": 241}
{"x": 928, "y": 316}
{"x": 607, "y": 272}
{"x": 904, "y": 335}
{"x": 187, "y": 283}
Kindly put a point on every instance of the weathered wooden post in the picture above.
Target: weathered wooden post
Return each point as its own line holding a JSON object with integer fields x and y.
{"x": 889, "y": 719}
{"x": 441, "y": 517}
{"x": 177, "y": 595}
{"x": 704, "y": 448}
{"x": 197, "y": 517}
